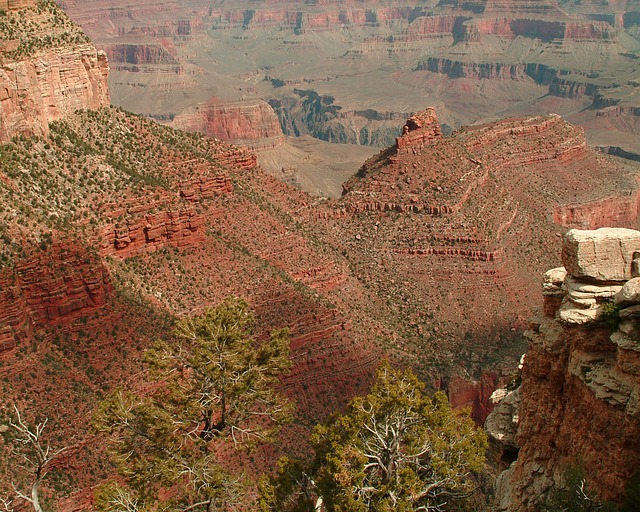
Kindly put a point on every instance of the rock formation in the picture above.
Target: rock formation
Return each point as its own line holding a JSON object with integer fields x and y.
{"x": 454, "y": 54}
{"x": 48, "y": 69}
{"x": 251, "y": 123}
{"x": 581, "y": 376}
{"x": 419, "y": 130}
{"x": 54, "y": 287}
{"x": 426, "y": 258}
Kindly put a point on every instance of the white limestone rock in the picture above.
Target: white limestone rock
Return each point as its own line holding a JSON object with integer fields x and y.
{"x": 589, "y": 289}
{"x": 629, "y": 293}
{"x": 578, "y": 314}
{"x": 604, "y": 254}
{"x": 553, "y": 280}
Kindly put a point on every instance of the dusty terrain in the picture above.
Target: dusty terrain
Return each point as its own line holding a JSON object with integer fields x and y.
{"x": 112, "y": 226}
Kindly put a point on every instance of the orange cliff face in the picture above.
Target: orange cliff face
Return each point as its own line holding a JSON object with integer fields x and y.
{"x": 49, "y": 70}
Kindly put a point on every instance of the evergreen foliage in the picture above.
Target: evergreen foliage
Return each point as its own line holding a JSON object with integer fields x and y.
{"x": 396, "y": 449}
{"x": 215, "y": 385}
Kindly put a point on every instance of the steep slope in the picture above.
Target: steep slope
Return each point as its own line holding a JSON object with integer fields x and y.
{"x": 156, "y": 223}
{"x": 142, "y": 223}
{"x": 454, "y": 231}
{"x": 112, "y": 226}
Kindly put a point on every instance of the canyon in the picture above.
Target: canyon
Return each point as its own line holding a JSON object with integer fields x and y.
{"x": 346, "y": 73}
{"x": 112, "y": 226}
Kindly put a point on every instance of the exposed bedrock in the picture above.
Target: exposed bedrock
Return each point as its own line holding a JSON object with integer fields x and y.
{"x": 581, "y": 376}
{"x": 48, "y": 74}
{"x": 252, "y": 123}
{"x": 15, "y": 5}
{"x": 49, "y": 86}
{"x": 319, "y": 116}
{"x": 140, "y": 54}
{"x": 51, "y": 288}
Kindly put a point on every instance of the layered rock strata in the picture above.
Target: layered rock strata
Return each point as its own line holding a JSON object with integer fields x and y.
{"x": 419, "y": 130}
{"x": 51, "y": 288}
{"x": 47, "y": 71}
{"x": 250, "y": 123}
{"x": 581, "y": 378}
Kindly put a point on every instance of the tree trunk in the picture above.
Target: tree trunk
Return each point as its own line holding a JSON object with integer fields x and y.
{"x": 35, "y": 498}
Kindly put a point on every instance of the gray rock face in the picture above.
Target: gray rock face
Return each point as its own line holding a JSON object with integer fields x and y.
{"x": 629, "y": 293}
{"x": 502, "y": 423}
{"x": 604, "y": 254}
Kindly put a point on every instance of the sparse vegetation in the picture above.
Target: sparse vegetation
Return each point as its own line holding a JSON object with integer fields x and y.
{"x": 37, "y": 29}
{"x": 394, "y": 449}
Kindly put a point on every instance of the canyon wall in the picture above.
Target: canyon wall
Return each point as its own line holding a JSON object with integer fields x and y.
{"x": 252, "y": 123}
{"x": 46, "y": 74}
{"x": 55, "y": 286}
{"x": 49, "y": 86}
{"x": 581, "y": 375}
{"x": 15, "y": 5}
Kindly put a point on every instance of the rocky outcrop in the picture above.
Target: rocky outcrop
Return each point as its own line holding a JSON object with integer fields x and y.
{"x": 251, "y": 123}
{"x": 57, "y": 286}
{"x": 458, "y": 69}
{"x": 419, "y": 130}
{"x": 474, "y": 394}
{"x": 581, "y": 375}
{"x": 609, "y": 211}
{"x": 138, "y": 233}
{"x": 139, "y": 55}
{"x": 502, "y": 426}
{"x": 45, "y": 76}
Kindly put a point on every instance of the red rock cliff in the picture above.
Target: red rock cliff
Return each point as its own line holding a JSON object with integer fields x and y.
{"x": 251, "y": 123}
{"x": 48, "y": 69}
{"x": 53, "y": 287}
{"x": 581, "y": 376}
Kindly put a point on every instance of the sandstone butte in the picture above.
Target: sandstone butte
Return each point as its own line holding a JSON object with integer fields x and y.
{"x": 426, "y": 259}
{"x": 578, "y": 401}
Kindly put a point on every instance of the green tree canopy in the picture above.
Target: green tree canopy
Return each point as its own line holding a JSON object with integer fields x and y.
{"x": 215, "y": 384}
{"x": 396, "y": 449}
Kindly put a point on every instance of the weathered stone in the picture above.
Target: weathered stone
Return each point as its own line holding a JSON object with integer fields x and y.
{"x": 502, "y": 423}
{"x": 630, "y": 312}
{"x": 571, "y": 312}
{"x": 420, "y": 129}
{"x": 584, "y": 289}
{"x": 603, "y": 254}
{"x": 624, "y": 341}
{"x": 629, "y": 293}
{"x": 553, "y": 280}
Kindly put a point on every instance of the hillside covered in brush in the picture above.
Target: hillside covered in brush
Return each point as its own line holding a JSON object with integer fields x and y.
{"x": 112, "y": 227}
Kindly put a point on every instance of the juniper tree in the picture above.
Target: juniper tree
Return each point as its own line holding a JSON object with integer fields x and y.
{"x": 215, "y": 384}
{"x": 396, "y": 449}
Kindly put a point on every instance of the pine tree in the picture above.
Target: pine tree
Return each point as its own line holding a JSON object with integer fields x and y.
{"x": 396, "y": 449}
